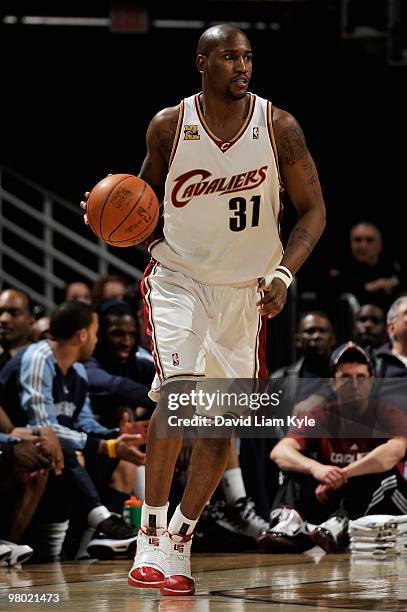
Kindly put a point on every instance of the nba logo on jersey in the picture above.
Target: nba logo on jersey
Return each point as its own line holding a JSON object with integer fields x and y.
{"x": 175, "y": 359}
{"x": 191, "y": 132}
{"x": 256, "y": 133}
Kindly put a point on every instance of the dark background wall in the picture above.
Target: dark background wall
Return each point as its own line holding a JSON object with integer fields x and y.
{"x": 76, "y": 103}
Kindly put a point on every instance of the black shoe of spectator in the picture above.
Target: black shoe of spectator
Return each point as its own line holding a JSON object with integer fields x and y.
{"x": 288, "y": 533}
{"x": 113, "y": 537}
{"x": 244, "y": 520}
{"x": 214, "y": 532}
{"x": 332, "y": 535}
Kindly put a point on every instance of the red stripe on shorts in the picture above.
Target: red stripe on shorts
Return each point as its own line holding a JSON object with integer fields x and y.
{"x": 261, "y": 348}
{"x": 145, "y": 290}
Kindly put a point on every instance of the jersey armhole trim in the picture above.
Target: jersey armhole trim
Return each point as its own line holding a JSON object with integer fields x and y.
{"x": 177, "y": 133}
{"x": 273, "y": 142}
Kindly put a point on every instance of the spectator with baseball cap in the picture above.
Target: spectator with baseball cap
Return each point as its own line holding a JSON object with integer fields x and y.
{"x": 343, "y": 467}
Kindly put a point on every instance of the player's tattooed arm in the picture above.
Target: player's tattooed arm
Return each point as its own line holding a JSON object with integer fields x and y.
{"x": 300, "y": 178}
{"x": 147, "y": 174}
{"x": 165, "y": 136}
{"x": 291, "y": 143}
{"x": 301, "y": 236}
{"x": 160, "y": 138}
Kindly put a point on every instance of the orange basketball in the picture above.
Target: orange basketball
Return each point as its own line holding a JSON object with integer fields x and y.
{"x": 122, "y": 210}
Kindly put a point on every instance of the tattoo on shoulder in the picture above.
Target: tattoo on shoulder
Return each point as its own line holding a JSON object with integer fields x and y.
{"x": 165, "y": 137}
{"x": 292, "y": 144}
{"x": 301, "y": 233}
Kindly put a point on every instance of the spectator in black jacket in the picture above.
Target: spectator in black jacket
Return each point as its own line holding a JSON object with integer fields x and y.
{"x": 119, "y": 375}
{"x": 370, "y": 332}
{"x": 370, "y": 327}
{"x": 367, "y": 272}
{"x": 315, "y": 341}
{"x": 393, "y": 355}
{"x": 16, "y": 319}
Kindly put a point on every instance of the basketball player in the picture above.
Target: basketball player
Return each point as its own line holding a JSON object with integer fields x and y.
{"x": 219, "y": 160}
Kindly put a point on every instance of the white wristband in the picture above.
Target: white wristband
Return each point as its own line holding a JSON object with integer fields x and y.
{"x": 286, "y": 271}
{"x": 287, "y": 280}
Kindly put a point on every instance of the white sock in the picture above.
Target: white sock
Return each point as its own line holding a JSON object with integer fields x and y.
{"x": 51, "y": 537}
{"x": 180, "y": 524}
{"x": 97, "y": 515}
{"x": 139, "y": 482}
{"x": 154, "y": 517}
{"x": 233, "y": 486}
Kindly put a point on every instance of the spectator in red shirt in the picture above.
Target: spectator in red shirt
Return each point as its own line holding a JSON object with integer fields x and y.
{"x": 343, "y": 467}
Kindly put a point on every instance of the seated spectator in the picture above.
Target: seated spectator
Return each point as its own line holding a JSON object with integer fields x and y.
{"x": 301, "y": 380}
{"x": 367, "y": 272}
{"x": 52, "y": 386}
{"x": 25, "y": 459}
{"x": 40, "y": 329}
{"x": 370, "y": 327}
{"x": 315, "y": 341}
{"x": 392, "y": 357}
{"x": 304, "y": 383}
{"x": 117, "y": 375}
{"x": 119, "y": 381}
{"x": 78, "y": 291}
{"x": 111, "y": 286}
{"x": 16, "y": 319}
{"x": 370, "y": 333}
{"x": 357, "y": 443}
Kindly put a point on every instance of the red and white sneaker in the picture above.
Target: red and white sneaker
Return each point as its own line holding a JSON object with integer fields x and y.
{"x": 178, "y": 579}
{"x": 150, "y": 563}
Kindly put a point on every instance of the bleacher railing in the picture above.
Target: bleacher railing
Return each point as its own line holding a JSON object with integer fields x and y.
{"x": 44, "y": 243}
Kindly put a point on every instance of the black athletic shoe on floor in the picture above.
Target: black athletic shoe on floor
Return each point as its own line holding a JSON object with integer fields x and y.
{"x": 288, "y": 533}
{"x": 112, "y": 537}
{"x": 332, "y": 535}
{"x": 243, "y": 518}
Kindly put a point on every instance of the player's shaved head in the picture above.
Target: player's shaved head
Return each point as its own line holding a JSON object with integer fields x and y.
{"x": 216, "y": 36}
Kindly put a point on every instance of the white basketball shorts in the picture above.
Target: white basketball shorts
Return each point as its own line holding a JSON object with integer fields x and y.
{"x": 201, "y": 330}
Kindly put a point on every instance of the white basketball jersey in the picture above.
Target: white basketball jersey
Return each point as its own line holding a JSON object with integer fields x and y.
{"x": 222, "y": 200}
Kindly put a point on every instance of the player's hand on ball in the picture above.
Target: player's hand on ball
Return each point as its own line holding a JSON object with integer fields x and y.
{"x": 274, "y": 297}
{"x": 84, "y": 203}
{"x": 84, "y": 206}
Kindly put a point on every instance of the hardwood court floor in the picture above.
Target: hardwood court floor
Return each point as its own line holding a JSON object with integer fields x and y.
{"x": 230, "y": 582}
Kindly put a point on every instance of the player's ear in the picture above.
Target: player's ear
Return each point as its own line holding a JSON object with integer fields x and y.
{"x": 201, "y": 62}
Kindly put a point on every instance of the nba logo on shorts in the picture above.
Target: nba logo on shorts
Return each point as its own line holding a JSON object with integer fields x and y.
{"x": 175, "y": 359}
{"x": 256, "y": 134}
